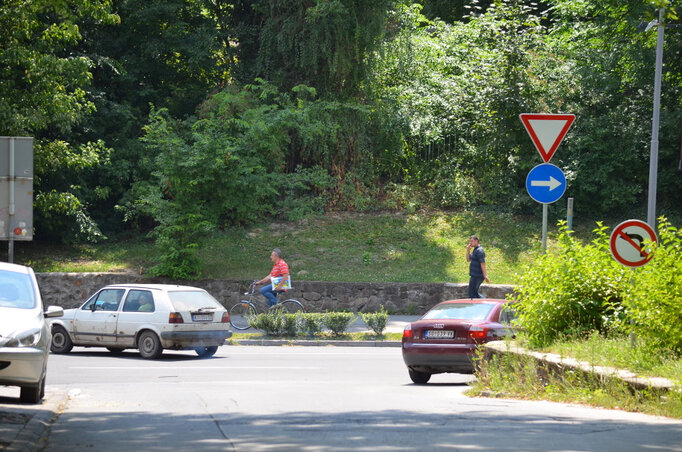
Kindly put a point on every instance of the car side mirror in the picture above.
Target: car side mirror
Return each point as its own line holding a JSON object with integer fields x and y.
{"x": 54, "y": 311}
{"x": 93, "y": 307}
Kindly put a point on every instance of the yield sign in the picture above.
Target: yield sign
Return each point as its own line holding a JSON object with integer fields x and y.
{"x": 546, "y": 131}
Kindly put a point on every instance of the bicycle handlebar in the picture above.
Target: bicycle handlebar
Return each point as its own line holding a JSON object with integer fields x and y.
{"x": 252, "y": 288}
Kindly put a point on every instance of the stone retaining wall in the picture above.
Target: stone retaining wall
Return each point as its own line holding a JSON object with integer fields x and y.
{"x": 72, "y": 289}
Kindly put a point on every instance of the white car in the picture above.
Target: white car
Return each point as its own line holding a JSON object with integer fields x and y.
{"x": 148, "y": 317}
{"x": 24, "y": 333}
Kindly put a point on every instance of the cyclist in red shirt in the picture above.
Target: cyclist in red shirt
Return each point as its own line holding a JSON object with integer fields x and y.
{"x": 279, "y": 269}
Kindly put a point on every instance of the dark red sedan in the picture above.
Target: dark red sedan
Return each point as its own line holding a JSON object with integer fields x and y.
{"x": 445, "y": 338}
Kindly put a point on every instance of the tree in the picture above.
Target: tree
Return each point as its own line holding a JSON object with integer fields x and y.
{"x": 321, "y": 44}
{"x": 42, "y": 94}
{"x": 166, "y": 53}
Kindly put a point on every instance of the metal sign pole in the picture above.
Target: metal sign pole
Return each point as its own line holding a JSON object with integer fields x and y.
{"x": 569, "y": 215}
{"x": 544, "y": 228}
{"x": 12, "y": 207}
{"x": 653, "y": 158}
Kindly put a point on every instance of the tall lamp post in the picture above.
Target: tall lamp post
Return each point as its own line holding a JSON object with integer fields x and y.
{"x": 653, "y": 156}
{"x": 653, "y": 159}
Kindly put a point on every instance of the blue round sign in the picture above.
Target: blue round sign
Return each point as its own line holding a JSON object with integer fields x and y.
{"x": 546, "y": 183}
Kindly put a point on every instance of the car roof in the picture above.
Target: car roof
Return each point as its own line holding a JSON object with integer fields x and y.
{"x": 475, "y": 300}
{"x": 167, "y": 287}
{"x": 14, "y": 267}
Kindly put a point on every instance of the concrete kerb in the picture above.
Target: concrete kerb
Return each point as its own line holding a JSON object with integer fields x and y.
{"x": 32, "y": 436}
{"x": 558, "y": 365}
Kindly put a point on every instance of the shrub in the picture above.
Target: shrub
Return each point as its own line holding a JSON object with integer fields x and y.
{"x": 572, "y": 290}
{"x": 302, "y": 193}
{"x": 275, "y": 323}
{"x": 338, "y": 322}
{"x": 376, "y": 321}
{"x": 311, "y": 322}
{"x": 655, "y": 293}
{"x": 290, "y": 324}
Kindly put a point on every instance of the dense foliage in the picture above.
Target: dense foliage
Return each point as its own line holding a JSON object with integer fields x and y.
{"x": 181, "y": 117}
{"x": 572, "y": 290}
{"x": 579, "y": 288}
{"x": 655, "y": 293}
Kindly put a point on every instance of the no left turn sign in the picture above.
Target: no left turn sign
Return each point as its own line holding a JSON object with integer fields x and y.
{"x": 627, "y": 243}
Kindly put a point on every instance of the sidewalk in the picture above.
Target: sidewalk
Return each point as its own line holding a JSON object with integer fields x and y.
{"x": 24, "y": 428}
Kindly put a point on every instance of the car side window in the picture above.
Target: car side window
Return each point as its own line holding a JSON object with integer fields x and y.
{"x": 508, "y": 314}
{"x": 105, "y": 300}
{"x": 139, "y": 301}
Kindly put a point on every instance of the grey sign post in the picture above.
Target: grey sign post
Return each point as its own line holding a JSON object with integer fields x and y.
{"x": 16, "y": 190}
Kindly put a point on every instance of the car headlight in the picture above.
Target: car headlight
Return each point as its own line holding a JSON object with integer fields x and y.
{"x": 26, "y": 338}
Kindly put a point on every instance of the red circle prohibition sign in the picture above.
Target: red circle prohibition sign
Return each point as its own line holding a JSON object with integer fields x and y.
{"x": 627, "y": 243}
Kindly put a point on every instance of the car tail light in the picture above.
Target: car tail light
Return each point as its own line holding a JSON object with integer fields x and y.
{"x": 175, "y": 317}
{"x": 407, "y": 332}
{"x": 477, "y": 332}
{"x": 225, "y": 318}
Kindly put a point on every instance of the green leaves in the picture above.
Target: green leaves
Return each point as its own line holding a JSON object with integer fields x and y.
{"x": 571, "y": 290}
{"x": 654, "y": 297}
{"x": 579, "y": 288}
{"x": 376, "y": 321}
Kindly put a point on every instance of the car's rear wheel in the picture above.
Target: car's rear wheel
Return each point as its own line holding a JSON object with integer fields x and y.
{"x": 61, "y": 342}
{"x": 149, "y": 345}
{"x": 419, "y": 378}
{"x": 33, "y": 394}
{"x": 206, "y": 352}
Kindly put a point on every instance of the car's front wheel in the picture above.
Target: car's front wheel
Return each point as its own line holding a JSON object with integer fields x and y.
{"x": 420, "y": 378}
{"x": 149, "y": 345}
{"x": 61, "y": 342}
{"x": 206, "y": 352}
{"x": 33, "y": 394}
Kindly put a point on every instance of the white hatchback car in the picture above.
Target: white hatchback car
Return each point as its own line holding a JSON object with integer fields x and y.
{"x": 148, "y": 317}
{"x": 24, "y": 333}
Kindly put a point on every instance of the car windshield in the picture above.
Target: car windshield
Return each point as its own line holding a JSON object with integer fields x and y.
{"x": 16, "y": 290}
{"x": 460, "y": 311}
{"x": 192, "y": 300}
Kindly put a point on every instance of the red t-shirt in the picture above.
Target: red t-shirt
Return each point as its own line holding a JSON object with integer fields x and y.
{"x": 280, "y": 268}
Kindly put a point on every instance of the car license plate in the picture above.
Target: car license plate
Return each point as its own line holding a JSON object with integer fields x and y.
{"x": 202, "y": 317}
{"x": 439, "y": 334}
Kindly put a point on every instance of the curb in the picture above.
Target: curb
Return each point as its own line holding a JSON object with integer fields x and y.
{"x": 33, "y": 436}
{"x": 559, "y": 364}
{"x": 314, "y": 343}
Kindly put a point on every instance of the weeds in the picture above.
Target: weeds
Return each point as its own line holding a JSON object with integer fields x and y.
{"x": 522, "y": 376}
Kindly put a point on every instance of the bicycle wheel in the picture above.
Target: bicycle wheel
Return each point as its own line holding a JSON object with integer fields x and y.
{"x": 292, "y": 306}
{"x": 240, "y": 314}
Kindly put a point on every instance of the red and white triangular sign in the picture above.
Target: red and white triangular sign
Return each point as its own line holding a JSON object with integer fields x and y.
{"x": 546, "y": 131}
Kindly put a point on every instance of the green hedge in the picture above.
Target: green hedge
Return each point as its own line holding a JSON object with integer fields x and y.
{"x": 280, "y": 324}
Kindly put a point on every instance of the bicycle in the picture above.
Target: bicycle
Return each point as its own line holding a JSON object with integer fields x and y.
{"x": 242, "y": 311}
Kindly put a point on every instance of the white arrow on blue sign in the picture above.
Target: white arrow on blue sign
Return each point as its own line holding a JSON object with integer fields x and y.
{"x": 546, "y": 183}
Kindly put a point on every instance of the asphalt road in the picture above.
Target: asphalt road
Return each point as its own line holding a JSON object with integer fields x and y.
{"x": 313, "y": 399}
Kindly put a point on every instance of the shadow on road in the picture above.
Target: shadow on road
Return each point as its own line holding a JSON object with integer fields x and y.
{"x": 478, "y": 429}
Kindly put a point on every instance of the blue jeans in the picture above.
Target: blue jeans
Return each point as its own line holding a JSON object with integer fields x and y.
{"x": 474, "y": 283}
{"x": 269, "y": 294}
